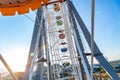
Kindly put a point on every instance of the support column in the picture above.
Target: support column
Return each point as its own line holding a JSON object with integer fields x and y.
{"x": 83, "y": 58}
{"x": 33, "y": 42}
{"x": 40, "y": 54}
{"x": 47, "y": 54}
{"x": 97, "y": 53}
{"x": 8, "y": 68}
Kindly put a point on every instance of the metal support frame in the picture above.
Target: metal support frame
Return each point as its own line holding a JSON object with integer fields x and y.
{"x": 33, "y": 42}
{"x": 8, "y": 68}
{"x": 92, "y": 35}
{"x": 81, "y": 67}
{"x": 81, "y": 51}
{"x": 72, "y": 19}
{"x": 100, "y": 58}
{"x": 83, "y": 57}
{"x": 97, "y": 53}
{"x": 81, "y": 47}
{"x": 39, "y": 70}
{"x": 47, "y": 53}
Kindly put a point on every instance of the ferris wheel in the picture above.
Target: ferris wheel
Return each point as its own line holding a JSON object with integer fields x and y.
{"x": 57, "y": 51}
{"x": 62, "y": 54}
{"x": 61, "y": 42}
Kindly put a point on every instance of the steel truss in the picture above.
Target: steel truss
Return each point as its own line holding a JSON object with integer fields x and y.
{"x": 97, "y": 53}
{"x": 40, "y": 38}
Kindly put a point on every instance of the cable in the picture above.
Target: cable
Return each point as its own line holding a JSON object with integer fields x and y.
{"x": 29, "y": 18}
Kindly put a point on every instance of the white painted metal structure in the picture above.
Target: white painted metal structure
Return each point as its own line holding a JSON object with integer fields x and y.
{"x": 63, "y": 56}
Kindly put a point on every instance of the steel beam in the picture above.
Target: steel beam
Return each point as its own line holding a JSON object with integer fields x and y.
{"x": 49, "y": 73}
{"x": 72, "y": 20}
{"x": 97, "y": 53}
{"x": 33, "y": 42}
{"x": 8, "y": 68}
{"x": 80, "y": 45}
{"x": 40, "y": 53}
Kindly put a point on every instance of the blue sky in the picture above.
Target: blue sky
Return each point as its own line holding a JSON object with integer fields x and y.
{"x": 15, "y": 37}
{"x": 16, "y": 31}
{"x": 107, "y": 25}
